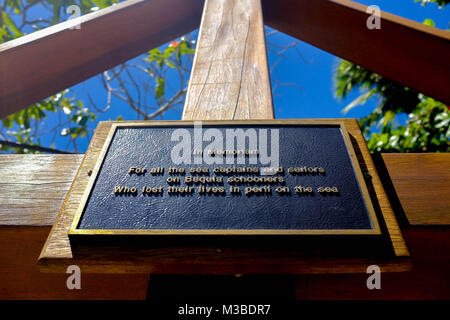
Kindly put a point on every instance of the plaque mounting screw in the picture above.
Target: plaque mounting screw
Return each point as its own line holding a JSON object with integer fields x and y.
{"x": 89, "y": 173}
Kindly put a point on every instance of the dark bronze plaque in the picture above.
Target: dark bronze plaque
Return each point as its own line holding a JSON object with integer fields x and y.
{"x": 175, "y": 178}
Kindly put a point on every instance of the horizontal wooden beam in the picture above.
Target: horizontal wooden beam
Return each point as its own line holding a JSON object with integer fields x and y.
{"x": 32, "y": 187}
{"x": 419, "y": 186}
{"x": 45, "y": 62}
{"x": 428, "y": 280}
{"x": 245, "y": 259}
{"x": 24, "y": 227}
{"x": 405, "y": 51}
{"x": 21, "y": 279}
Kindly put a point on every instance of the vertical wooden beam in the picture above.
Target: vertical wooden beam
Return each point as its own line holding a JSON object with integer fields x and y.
{"x": 230, "y": 77}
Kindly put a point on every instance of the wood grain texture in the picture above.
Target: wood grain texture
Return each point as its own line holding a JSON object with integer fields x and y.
{"x": 194, "y": 260}
{"x": 40, "y": 64}
{"x": 428, "y": 280}
{"x": 20, "y": 277}
{"x": 45, "y": 62}
{"x": 33, "y": 187}
{"x": 57, "y": 253}
{"x": 421, "y": 183}
{"x": 368, "y": 165}
{"x": 58, "y": 241}
{"x": 402, "y": 50}
{"x": 230, "y": 77}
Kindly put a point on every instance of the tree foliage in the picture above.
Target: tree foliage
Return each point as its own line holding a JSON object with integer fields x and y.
{"x": 140, "y": 83}
{"x": 149, "y": 85}
{"x": 427, "y": 128}
{"x": 26, "y": 126}
{"x": 440, "y": 3}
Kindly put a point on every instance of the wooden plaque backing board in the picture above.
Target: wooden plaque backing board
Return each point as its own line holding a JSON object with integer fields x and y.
{"x": 139, "y": 234}
{"x": 57, "y": 253}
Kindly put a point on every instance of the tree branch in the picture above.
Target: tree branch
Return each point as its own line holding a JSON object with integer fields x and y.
{"x": 30, "y": 147}
{"x": 167, "y": 105}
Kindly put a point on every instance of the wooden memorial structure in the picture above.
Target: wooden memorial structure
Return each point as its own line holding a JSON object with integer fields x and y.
{"x": 44, "y": 198}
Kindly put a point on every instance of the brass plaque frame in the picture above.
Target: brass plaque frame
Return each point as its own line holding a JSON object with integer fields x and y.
{"x": 76, "y": 232}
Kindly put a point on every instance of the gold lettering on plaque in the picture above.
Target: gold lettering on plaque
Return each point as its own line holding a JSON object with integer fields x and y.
{"x": 203, "y": 180}
{"x": 199, "y": 170}
{"x": 137, "y": 171}
{"x": 306, "y": 170}
{"x": 327, "y": 190}
{"x": 180, "y": 189}
{"x": 258, "y": 190}
{"x": 123, "y": 190}
{"x": 157, "y": 170}
{"x": 272, "y": 170}
{"x": 152, "y": 190}
{"x": 283, "y": 190}
{"x": 209, "y": 190}
{"x": 302, "y": 189}
{"x": 173, "y": 170}
{"x": 235, "y": 189}
{"x": 173, "y": 180}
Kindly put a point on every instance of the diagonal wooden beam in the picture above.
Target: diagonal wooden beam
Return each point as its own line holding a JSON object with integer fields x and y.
{"x": 402, "y": 50}
{"x": 40, "y": 64}
{"x": 43, "y": 63}
{"x": 230, "y": 77}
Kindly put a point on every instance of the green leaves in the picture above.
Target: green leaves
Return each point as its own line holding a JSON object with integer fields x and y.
{"x": 426, "y": 130}
{"x": 359, "y": 101}
{"x": 23, "y": 125}
{"x": 394, "y": 97}
{"x": 170, "y": 58}
{"x": 11, "y": 25}
{"x": 440, "y": 3}
{"x": 429, "y": 22}
{"x": 103, "y": 3}
{"x": 159, "y": 91}
{"x": 78, "y": 120}
{"x": 172, "y": 54}
{"x": 64, "y": 115}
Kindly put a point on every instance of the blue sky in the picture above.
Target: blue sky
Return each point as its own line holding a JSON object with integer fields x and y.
{"x": 311, "y": 97}
{"x": 315, "y": 78}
